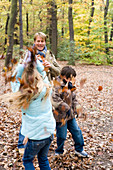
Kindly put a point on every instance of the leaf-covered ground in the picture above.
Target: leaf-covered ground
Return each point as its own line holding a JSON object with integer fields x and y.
{"x": 96, "y": 123}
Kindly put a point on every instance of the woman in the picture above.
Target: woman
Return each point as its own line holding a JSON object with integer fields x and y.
{"x": 45, "y": 56}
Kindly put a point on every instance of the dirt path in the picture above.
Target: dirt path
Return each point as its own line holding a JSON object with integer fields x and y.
{"x": 96, "y": 124}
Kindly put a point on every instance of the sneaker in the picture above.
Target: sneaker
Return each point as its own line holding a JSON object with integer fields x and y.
{"x": 82, "y": 154}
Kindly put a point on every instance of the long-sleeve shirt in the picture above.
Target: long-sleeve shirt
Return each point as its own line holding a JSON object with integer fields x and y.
{"x": 37, "y": 120}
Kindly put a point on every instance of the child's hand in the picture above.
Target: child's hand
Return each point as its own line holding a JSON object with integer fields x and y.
{"x": 78, "y": 110}
{"x": 46, "y": 64}
{"x": 25, "y": 140}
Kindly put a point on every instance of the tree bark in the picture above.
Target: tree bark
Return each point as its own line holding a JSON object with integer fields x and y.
{"x": 21, "y": 24}
{"x": 11, "y": 25}
{"x": 71, "y": 33}
{"x": 91, "y": 16}
{"x": 70, "y": 18}
{"x": 27, "y": 24}
{"x": 52, "y": 25}
{"x": 105, "y": 26}
{"x": 54, "y": 28}
{"x": 6, "y": 28}
{"x": 62, "y": 29}
{"x": 111, "y": 34}
{"x": 49, "y": 22}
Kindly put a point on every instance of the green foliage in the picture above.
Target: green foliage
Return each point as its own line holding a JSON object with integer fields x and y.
{"x": 63, "y": 49}
{"x": 89, "y": 49}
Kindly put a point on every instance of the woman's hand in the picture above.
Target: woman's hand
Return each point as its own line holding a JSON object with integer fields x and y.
{"x": 46, "y": 64}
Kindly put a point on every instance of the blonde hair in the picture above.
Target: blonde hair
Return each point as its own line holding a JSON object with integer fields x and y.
{"x": 40, "y": 34}
{"x": 30, "y": 88}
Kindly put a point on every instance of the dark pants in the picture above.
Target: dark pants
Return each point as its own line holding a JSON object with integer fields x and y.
{"x": 39, "y": 148}
{"x": 20, "y": 140}
{"x": 61, "y": 133}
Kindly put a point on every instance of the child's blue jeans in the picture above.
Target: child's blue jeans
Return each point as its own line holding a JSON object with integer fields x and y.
{"x": 20, "y": 140}
{"x": 39, "y": 148}
{"x": 61, "y": 133}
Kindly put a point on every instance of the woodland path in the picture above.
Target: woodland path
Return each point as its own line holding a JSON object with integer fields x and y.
{"x": 96, "y": 124}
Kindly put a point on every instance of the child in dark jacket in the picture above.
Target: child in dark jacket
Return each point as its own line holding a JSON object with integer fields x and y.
{"x": 65, "y": 103}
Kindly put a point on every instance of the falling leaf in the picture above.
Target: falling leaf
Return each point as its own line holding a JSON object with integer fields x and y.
{"x": 9, "y": 67}
{"x": 56, "y": 112}
{"x": 73, "y": 89}
{"x": 29, "y": 91}
{"x": 65, "y": 89}
{"x": 63, "y": 108}
{"x": 46, "y": 69}
{"x": 2, "y": 56}
{"x": 63, "y": 122}
{"x": 4, "y": 69}
{"x": 78, "y": 109}
{"x": 82, "y": 82}
{"x": 43, "y": 59}
{"x": 56, "y": 83}
{"x": 11, "y": 78}
{"x": 14, "y": 61}
{"x": 100, "y": 88}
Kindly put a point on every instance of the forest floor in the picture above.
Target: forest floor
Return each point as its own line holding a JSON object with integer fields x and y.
{"x": 96, "y": 124}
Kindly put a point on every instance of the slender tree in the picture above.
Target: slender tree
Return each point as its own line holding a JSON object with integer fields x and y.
{"x": 70, "y": 18}
{"x": 11, "y": 25}
{"x": 111, "y": 34}
{"x": 21, "y": 24}
{"x": 105, "y": 26}
{"x": 6, "y": 29}
{"x": 51, "y": 29}
{"x": 62, "y": 29}
{"x": 49, "y": 21}
{"x": 91, "y": 15}
{"x": 71, "y": 33}
{"x": 54, "y": 28}
{"x": 27, "y": 23}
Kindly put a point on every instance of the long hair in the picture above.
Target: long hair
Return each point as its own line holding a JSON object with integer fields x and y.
{"x": 31, "y": 85}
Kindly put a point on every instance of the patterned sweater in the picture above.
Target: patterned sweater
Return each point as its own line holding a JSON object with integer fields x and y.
{"x": 62, "y": 101}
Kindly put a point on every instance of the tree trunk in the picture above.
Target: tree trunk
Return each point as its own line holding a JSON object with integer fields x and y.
{"x": 27, "y": 24}
{"x": 62, "y": 29}
{"x": 105, "y": 26}
{"x": 49, "y": 22}
{"x": 111, "y": 34}
{"x": 54, "y": 28}
{"x": 71, "y": 33}
{"x": 91, "y": 16}
{"x": 70, "y": 18}
{"x": 11, "y": 25}
{"x": 21, "y": 25}
{"x": 52, "y": 25}
{"x": 6, "y": 28}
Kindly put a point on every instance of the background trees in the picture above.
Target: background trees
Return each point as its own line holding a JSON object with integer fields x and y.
{"x": 90, "y": 24}
{"x": 10, "y": 40}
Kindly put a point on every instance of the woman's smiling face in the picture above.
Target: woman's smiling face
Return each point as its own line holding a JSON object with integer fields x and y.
{"x": 40, "y": 43}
